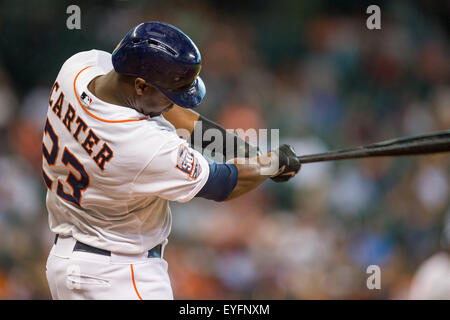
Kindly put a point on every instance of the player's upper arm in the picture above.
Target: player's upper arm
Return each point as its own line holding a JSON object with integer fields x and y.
{"x": 176, "y": 172}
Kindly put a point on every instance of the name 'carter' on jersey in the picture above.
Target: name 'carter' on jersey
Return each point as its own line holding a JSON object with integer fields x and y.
{"x": 111, "y": 170}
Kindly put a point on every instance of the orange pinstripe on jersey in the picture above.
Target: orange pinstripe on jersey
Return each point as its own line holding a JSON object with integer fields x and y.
{"x": 134, "y": 283}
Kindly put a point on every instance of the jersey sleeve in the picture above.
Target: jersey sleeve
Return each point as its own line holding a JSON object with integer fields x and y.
{"x": 176, "y": 173}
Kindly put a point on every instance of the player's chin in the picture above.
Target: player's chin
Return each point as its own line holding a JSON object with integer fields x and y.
{"x": 158, "y": 113}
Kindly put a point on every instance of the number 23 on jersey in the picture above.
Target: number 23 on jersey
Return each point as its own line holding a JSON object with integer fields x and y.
{"x": 77, "y": 183}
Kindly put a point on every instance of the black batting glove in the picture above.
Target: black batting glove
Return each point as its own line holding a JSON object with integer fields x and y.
{"x": 289, "y": 164}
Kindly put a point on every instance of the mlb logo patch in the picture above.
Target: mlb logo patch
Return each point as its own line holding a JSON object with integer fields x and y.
{"x": 188, "y": 163}
{"x": 86, "y": 99}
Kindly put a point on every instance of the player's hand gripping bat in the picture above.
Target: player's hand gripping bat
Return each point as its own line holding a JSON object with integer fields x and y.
{"x": 407, "y": 146}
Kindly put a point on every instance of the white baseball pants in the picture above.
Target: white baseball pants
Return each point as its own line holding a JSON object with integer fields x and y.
{"x": 83, "y": 275}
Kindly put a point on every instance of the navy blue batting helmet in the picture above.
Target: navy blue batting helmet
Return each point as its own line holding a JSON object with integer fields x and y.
{"x": 164, "y": 56}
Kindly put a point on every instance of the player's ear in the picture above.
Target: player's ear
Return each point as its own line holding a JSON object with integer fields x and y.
{"x": 141, "y": 86}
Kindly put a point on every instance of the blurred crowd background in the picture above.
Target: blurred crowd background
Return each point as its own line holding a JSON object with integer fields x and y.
{"x": 309, "y": 68}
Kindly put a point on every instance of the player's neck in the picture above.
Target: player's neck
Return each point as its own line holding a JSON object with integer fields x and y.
{"x": 109, "y": 88}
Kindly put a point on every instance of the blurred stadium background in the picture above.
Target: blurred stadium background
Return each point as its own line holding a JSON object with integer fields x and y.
{"x": 311, "y": 69}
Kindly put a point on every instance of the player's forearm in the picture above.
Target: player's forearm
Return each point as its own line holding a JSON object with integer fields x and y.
{"x": 182, "y": 118}
{"x": 252, "y": 173}
{"x": 196, "y": 126}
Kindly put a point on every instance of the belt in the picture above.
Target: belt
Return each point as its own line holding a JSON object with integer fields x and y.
{"x": 154, "y": 252}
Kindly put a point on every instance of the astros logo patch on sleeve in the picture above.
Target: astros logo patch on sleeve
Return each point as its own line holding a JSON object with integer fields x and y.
{"x": 188, "y": 163}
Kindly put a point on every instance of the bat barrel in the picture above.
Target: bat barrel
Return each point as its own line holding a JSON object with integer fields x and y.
{"x": 416, "y": 145}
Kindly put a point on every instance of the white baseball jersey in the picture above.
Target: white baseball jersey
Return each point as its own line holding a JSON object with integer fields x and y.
{"x": 111, "y": 170}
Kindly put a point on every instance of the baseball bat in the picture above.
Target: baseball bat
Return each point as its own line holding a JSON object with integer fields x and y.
{"x": 407, "y": 146}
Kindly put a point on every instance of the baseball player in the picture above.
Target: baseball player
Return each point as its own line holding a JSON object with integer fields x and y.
{"x": 112, "y": 162}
